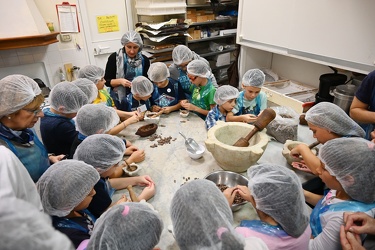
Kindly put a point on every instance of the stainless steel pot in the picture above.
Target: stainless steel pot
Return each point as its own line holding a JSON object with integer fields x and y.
{"x": 343, "y": 96}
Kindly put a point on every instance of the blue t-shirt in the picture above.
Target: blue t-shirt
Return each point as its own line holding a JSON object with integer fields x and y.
{"x": 168, "y": 96}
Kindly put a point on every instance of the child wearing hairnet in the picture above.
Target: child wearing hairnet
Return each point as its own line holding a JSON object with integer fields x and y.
{"x": 202, "y": 89}
{"x": 182, "y": 56}
{"x": 96, "y": 75}
{"x": 347, "y": 168}
{"x": 126, "y": 226}
{"x": 88, "y": 124}
{"x": 276, "y": 194}
{"x": 225, "y": 98}
{"x": 168, "y": 92}
{"x": 105, "y": 153}
{"x": 140, "y": 96}
{"x": 202, "y": 219}
{"x": 327, "y": 121}
{"x": 66, "y": 189}
{"x": 251, "y": 101}
{"x": 57, "y": 127}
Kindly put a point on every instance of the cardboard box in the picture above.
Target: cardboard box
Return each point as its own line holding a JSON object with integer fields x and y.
{"x": 195, "y": 34}
{"x": 201, "y": 18}
{"x": 210, "y": 17}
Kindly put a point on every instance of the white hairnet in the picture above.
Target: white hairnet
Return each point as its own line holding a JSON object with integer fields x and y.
{"x": 198, "y": 210}
{"x": 102, "y": 151}
{"x": 158, "y": 72}
{"x": 64, "y": 185}
{"x": 67, "y": 98}
{"x": 142, "y": 86}
{"x": 225, "y": 93}
{"x": 23, "y": 226}
{"x": 96, "y": 119}
{"x": 277, "y": 192}
{"x": 198, "y": 67}
{"x": 253, "y": 78}
{"x": 331, "y": 117}
{"x": 351, "y": 161}
{"x": 127, "y": 225}
{"x": 88, "y": 87}
{"x": 181, "y": 54}
{"x": 91, "y": 72}
{"x": 132, "y": 37}
{"x": 17, "y": 91}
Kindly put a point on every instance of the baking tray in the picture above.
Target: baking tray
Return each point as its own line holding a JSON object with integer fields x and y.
{"x": 287, "y": 87}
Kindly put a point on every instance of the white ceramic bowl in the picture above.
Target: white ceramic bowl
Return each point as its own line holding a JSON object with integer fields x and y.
{"x": 132, "y": 173}
{"x": 198, "y": 154}
{"x": 184, "y": 113}
{"x": 147, "y": 119}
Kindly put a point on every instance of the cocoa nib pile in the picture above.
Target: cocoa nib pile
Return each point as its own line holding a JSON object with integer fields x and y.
{"x": 160, "y": 141}
{"x": 237, "y": 199}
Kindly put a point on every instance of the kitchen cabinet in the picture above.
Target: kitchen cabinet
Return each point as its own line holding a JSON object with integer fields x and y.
{"x": 336, "y": 33}
{"x": 212, "y": 28}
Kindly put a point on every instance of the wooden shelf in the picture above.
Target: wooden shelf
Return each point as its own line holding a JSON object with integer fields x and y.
{"x": 211, "y": 38}
{"x": 28, "y": 41}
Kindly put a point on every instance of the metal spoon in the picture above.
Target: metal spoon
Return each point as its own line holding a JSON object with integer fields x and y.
{"x": 191, "y": 144}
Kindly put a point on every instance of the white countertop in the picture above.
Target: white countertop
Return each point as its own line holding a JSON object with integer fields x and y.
{"x": 170, "y": 166}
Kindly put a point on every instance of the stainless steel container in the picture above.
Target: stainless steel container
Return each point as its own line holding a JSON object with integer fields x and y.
{"x": 343, "y": 96}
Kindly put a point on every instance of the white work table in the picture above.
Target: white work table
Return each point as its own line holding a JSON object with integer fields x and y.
{"x": 170, "y": 166}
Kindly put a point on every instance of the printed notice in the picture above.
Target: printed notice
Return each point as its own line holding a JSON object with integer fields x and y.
{"x": 68, "y": 18}
{"x": 107, "y": 23}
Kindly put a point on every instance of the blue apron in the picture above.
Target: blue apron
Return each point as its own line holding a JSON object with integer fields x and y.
{"x": 264, "y": 228}
{"x": 62, "y": 222}
{"x": 163, "y": 100}
{"x": 241, "y": 108}
{"x": 185, "y": 83}
{"x": 346, "y": 206}
{"x": 33, "y": 156}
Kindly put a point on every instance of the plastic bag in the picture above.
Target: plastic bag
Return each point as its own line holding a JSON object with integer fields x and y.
{"x": 285, "y": 125}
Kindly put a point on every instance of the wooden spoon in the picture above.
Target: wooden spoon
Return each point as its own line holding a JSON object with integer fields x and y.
{"x": 263, "y": 120}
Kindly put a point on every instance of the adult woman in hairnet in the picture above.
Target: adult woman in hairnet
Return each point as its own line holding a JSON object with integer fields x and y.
{"x": 66, "y": 189}
{"x": 276, "y": 194}
{"x": 57, "y": 127}
{"x": 20, "y": 108}
{"x": 182, "y": 56}
{"x": 202, "y": 219}
{"x": 347, "y": 168}
{"x": 203, "y": 92}
{"x": 123, "y": 66}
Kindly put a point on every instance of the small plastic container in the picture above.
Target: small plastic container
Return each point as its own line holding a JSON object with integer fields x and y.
{"x": 184, "y": 113}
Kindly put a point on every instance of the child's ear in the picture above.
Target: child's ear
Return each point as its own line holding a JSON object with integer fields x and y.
{"x": 348, "y": 180}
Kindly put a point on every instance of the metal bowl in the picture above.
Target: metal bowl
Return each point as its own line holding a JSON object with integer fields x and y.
{"x": 231, "y": 179}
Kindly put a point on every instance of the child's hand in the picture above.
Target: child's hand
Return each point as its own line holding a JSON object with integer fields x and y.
{"x": 144, "y": 180}
{"x": 133, "y": 119}
{"x": 244, "y": 192}
{"x": 167, "y": 110}
{"x": 122, "y": 199}
{"x": 187, "y": 105}
{"x": 230, "y": 194}
{"x": 130, "y": 150}
{"x": 155, "y": 108}
{"x": 136, "y": 156}
{"x": 249, "y": 118}
{"x": 148, "y": 192}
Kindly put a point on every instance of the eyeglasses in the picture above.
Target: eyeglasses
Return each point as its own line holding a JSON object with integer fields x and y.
{"x": 34, "y": 111}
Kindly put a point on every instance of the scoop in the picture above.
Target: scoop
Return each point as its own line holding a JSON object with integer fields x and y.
{"x": 263, "y": 120}
{"x": 191, "y": 144}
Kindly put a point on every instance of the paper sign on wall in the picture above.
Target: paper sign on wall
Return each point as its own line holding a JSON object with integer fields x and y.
{"x": 68, "y": 17}
{"x": 107, "y": 23}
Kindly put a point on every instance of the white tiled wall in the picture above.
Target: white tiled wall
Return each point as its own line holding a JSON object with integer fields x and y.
{"x": 43, "y": 60}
